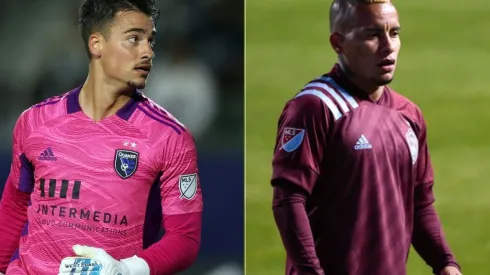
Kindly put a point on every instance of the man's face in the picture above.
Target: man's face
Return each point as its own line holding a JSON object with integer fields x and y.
{"x": 370, "y": 48}
{"x": 127, "y": 52}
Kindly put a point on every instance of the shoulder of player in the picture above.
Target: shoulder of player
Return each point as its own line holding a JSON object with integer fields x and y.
{"x": 407, "y": 107}
{"x": 163, "y": 129}
{"x": 310, "y": 99}
{"x": 44, "y": 110}
{"x": 52, "y": 102}
{"x": 158, "y": 120}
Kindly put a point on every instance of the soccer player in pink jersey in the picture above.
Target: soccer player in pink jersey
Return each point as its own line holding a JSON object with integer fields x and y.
{"x": 99, "y": 170}
{"x": 352, "y": 175}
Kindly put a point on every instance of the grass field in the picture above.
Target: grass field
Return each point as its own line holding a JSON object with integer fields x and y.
{"x": 442, "y": 68}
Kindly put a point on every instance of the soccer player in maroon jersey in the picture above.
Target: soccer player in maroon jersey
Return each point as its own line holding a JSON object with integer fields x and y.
{"x": 352, "y": 175}
{"x": 99, "y": 170}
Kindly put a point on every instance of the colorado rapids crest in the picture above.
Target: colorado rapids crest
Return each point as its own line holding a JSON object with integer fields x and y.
{"x": 413, "y": 144}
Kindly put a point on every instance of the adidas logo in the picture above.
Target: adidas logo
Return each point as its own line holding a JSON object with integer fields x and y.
{"x": 363, "y": 143}
{"x": 47, "y": 155}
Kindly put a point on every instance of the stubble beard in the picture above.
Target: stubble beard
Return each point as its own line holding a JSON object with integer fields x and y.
{"x": 136, "y": 85}
{"x": 383, "y": 82}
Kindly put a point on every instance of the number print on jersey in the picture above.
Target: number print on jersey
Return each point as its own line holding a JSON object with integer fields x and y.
{"x": 65, "y": 184}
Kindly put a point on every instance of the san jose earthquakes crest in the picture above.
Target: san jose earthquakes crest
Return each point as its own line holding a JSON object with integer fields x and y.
{"x": 125, "y": 163}
{"x": 291, "y": 138}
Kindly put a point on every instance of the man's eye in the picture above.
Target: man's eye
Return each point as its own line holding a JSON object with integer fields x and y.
{"x": 372, "y": 34}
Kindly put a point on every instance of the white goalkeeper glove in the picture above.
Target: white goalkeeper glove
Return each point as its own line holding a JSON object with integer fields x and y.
{"x": 96, "y": 261}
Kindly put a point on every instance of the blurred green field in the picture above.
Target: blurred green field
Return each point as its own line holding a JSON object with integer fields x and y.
{"x": 442, "y": 67}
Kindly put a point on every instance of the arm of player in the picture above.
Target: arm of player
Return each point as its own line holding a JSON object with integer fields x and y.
{"x": 428, "y": 237}
{"x": 15, "y": 197}
{"x": 182, "y": 210}
{"x": 292, "y": 220}
{"x": 297, "y": 159}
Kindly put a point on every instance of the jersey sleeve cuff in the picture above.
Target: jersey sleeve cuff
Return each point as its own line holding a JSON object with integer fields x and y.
{"x": 301, "y": 176}
{"x": 136, "y": 266}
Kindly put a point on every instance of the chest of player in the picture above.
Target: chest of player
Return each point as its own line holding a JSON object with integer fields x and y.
{"x": 375, "y": 137}
{"x": 67, "y": 159}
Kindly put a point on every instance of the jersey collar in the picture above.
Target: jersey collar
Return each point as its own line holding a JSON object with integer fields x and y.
{"x": 73, "y": 104}
{"x": 340, "y": 77}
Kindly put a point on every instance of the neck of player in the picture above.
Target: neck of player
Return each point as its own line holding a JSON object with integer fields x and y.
{"x": 101, "y": 98}
{"x": 374, "y": 91}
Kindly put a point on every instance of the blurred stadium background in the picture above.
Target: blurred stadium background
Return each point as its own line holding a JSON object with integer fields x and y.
{"x": 442, "y": 68}
{"x": 197, "y": 76}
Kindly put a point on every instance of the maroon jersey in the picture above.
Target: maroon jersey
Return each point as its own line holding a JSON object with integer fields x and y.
{"x": 364, "y": 170}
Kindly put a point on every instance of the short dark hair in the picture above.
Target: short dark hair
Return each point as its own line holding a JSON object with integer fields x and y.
{"x": 341, "y": 11}
{"x": 94, "y": 15}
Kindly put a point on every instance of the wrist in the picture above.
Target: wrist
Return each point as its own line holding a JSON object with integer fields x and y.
{"x": 136, "y": 266}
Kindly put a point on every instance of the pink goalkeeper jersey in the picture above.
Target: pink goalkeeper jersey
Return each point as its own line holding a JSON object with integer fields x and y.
{"x": 104, "y": 184}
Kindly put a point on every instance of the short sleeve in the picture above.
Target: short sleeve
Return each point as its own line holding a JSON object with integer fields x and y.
{"x": 300, "y": 142}
{"x": 180, "y": 184}
{"x": 424, "y": 173}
